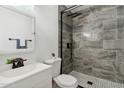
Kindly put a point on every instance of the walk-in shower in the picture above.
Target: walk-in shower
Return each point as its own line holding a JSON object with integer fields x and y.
{"x": 91, "y": 42}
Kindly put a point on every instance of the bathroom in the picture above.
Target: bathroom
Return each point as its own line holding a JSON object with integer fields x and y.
{"x": 62, "y": 46}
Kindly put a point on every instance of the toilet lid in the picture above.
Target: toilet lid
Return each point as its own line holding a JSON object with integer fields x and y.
{"x": 66, "y": 81}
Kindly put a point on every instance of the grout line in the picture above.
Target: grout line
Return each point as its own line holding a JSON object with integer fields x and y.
{"x": 116, "y": 38}
{"x": 79, "y": 86}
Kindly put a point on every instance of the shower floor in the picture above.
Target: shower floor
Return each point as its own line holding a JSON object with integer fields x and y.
{"x": 87, "y": 81}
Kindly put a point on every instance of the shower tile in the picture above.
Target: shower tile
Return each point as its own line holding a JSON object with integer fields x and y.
{"x": 120, "y": 10}
{"x": 120, "y": 22}
{"x": 91, "y": 33}
{"x": 107, "y": 35}
{"x": 95, "y": 24}
{"x": 65, "y": 41}
{"x": 120, "y": 56}
{"x": 121, "y": 68}
{"x": 104, "y": 74}
{"x": 66, "y": 61}
{"x": 101, "y": 8}
{"x": 85, "y": 14}
{"x": 106, "y": 14}
{"x": 88, "y": 62}
{"x": 77, "y": 36}
{"x": 113, "y": 44}
{"x": 87, "y": 70}
{"x": 82, "y": 66}
{"x": 109, "y": 44}
{"x": 105, "y": 65}
{"x": 67, "y": 69}
{"x": 94, "y": 55}
{"x": 67, "y": 19}
{"x": 80, "y": 22}
{"x": 121, "y": 33}
{"x": 120, "y": 72}
{"x": 108, "y": 75}
{"x": 96, "y": 9}
{"x": 67, "y": 27}
{"x": 75, "y": 44}
{"x": 66, "y": 53}
{"x": 106, "y": 54}
{"x": 66, "y": 36}
{"x": 79, "y": 68}
{"x": 120, "y": 78}
{"x": 77, "y": 29}
{"x": 90, "y": 44}
{"x": 110, "y": 24}
{"x": 77, "y": 64}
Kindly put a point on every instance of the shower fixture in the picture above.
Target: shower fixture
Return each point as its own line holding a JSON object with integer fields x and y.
{"x": 74, "y": 14}
{"x": 71, "y": 8}
{"x": 61, "y": 27}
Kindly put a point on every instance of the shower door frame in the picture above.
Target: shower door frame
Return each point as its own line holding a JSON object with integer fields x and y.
{"x": 61, "y": 31}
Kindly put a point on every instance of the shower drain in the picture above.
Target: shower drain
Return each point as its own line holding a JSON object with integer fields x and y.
{"x": 89, "y": 82}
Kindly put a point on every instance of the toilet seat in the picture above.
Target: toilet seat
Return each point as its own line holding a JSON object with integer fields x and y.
{"x": 66, "y": 81}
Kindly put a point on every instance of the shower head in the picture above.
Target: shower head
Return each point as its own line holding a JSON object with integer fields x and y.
{"x": 71, "y": 8}
{"x": 74, "y": 15}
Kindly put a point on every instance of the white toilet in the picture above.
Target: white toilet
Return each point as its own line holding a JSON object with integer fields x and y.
{"x": 63, "y": 80}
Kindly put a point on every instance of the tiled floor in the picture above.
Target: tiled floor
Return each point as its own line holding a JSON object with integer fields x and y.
{"x": 86, "y": 81}
{"x": 93, "y": 82}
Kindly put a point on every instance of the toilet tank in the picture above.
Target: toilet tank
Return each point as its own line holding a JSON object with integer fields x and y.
{"x": 56, "y": 65}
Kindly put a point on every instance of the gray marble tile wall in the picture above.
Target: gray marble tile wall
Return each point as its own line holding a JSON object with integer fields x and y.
{"x": 67, "y": 38}
{"x": 91, "y": 31}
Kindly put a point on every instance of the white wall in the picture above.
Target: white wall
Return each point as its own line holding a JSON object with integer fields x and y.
{"x": 46, "y": 35}
{"x": 46, "y": 31}
{"x": 24, "y": 9}
{"x": 18, "y": 26}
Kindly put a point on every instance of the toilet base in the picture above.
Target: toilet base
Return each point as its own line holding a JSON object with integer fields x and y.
{"x": 54, "y": 85}
{"x": 65, "y": 81}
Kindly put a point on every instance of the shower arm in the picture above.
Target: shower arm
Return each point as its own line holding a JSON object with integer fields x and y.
{"x": 71, "y": 8}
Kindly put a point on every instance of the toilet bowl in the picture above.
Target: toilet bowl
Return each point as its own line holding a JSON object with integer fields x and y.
{"x": 66, "y": 81}
{"x": 63, "y": 80}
